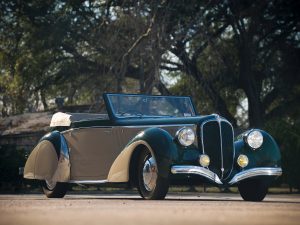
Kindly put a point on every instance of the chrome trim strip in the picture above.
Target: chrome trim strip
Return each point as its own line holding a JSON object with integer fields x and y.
{"x": 233, "y": 147}
{"x": 260, "y": 171}
{"x": 197, "y": 170}
{"x": 221, "y": 141}
{"x": 140, "y": 126}
{"x": 79, "y": 128}
{"x": 159, "y": 125}
{"x": 87, "y": 181}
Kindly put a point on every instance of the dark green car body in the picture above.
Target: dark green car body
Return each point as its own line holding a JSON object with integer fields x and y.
{"x": 179, "y": 164}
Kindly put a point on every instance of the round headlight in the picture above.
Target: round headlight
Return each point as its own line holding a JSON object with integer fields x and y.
{"x": 185, "y": 136}
{"x": 254, "y": 139}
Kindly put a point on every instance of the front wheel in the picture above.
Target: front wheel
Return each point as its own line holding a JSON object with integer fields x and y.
{"x": 150, "y": 183}
{"x": 54, "y": 189}
{"x": 253, "y": 189}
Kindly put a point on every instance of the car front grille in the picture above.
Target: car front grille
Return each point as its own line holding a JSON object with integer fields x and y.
{"x": 217, "y": 142}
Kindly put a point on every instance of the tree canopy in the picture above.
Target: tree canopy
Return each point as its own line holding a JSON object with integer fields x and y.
{"x": 237, "y": 58}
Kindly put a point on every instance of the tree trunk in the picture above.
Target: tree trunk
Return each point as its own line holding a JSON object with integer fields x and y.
{"x": 142, "y": 76}
{"x": 255, "y": 113}
{"x": 218, "y": 102}
{"x": 44, "y": 101}
{"x": 251, "y": 88}
{"x": 4, "y": 107}
{"x": 71, "y": 95}
{"x": 163, "y": 89}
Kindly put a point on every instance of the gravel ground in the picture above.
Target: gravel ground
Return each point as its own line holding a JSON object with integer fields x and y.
{"x": 131, "y": 209}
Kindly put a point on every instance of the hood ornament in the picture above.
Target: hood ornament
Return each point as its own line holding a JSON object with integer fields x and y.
{"x": 217, "y": 116}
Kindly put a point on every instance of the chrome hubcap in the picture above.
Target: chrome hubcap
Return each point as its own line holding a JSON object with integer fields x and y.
{"x": 50, "y": 184}
{"x": 150, "y": 174}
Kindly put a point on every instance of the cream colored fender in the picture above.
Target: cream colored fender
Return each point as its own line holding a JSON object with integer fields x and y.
{"x": 44, "y": 164}
{"x": 119, "y": 171}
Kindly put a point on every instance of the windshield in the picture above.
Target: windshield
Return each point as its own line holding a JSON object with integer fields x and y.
{"x": 125, "y": 105}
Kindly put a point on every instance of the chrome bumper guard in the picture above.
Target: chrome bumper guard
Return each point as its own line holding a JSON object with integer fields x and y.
{"x": 197, "y": 170}
{"x": 260, "y": 171}
{"x": 21, "y": 170}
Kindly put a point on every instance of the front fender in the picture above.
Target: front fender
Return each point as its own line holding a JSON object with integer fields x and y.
{"x": 158, "y": 141}
{"x": 263, "y": 162}
{"x": 49, "y": 160}
{"x": 268, "y": 155}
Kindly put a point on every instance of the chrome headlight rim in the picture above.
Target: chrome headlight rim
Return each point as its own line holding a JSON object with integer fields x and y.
{"x": 185, "y": 136}
{"x": 254, "y": 139}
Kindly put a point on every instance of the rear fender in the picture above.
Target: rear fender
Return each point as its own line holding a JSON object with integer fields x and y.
{"x": 49, "y": 160}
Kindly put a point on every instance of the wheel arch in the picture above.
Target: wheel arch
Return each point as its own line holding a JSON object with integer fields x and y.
{"x": 158, "y": 141}
{"x": 42, "y": 161}
{"x": 49, "y": 160}
{"x": 133, "y": 175}
{"x": 125, "y": 162}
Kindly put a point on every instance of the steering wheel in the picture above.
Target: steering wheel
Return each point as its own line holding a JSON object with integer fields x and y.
{"x": 131, "y": 112}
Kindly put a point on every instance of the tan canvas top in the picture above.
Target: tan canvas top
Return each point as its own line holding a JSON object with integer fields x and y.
{"x": 60, "y": 119}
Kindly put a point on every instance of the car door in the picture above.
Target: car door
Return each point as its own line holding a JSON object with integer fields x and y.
{"x": 92, "y": 152}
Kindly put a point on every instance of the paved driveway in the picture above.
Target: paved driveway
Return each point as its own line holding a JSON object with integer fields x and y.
{"x": 201, "y": 209}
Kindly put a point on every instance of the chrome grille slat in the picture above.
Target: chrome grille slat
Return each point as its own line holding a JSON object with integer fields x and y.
{"x": 221, "y": 151}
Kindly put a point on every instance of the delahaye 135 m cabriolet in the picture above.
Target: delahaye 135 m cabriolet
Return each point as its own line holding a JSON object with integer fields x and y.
{"x": 151, "y": 142}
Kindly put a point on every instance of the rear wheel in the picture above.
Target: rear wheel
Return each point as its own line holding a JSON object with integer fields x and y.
{"x": 253, "y": 189}
{"x": 54, "y": 189}
{"x": 150, "y": 183}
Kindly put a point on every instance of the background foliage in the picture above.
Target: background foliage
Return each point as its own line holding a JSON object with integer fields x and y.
{"x": 11, "y": 159}
{"x": 236, "y": 58}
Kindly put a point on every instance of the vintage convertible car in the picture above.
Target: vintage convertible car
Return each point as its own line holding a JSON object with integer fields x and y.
{"x": 150, "y": 142}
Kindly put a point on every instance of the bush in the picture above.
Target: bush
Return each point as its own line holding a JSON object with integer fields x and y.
{"x": 287, "y": 135}
{"x": 11, "y": 158}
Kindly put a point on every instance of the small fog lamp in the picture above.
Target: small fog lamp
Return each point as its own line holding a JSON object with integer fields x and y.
{"x": 204, "y": 160}
{"x": 243, "y": 161}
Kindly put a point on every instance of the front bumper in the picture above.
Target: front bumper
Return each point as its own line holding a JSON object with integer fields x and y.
{"x": 260, "y": 171}
{"x": 201, "y": 171}
{"x": 196, "y": 170}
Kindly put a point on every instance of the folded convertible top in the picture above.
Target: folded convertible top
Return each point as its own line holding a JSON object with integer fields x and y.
{"x": 60, "y": 119}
